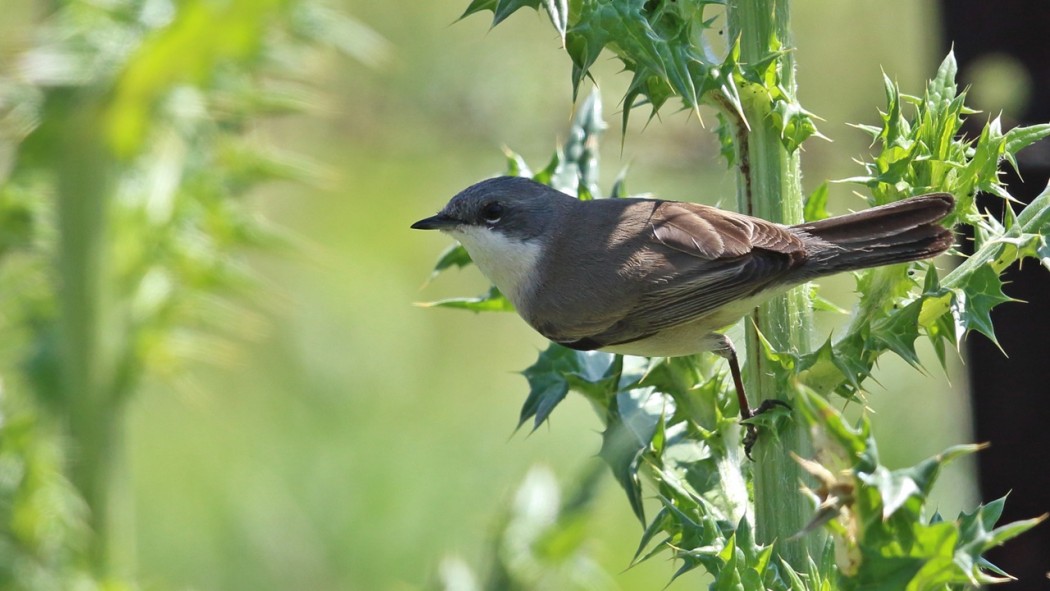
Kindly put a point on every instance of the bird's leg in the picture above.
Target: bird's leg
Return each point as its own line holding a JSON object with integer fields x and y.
{"x": 726, "y": 350}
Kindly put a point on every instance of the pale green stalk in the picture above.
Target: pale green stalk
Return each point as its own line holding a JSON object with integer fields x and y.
{"x": 89, "y": 338}
{"x": 770, "y": 188}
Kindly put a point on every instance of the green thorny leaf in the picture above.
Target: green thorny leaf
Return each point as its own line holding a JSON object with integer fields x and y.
{"x": 923, "y": 153}
{"x": 885, "y": 537}
{"x": 557, "y": 10}
{"x": 671, "y": 49}
{"x": 573, "y": 169}
{"x": 665, "y": 419}
{"x": 632, "y": 415}
{"x": 592, "y": 373}
{"x": 663, "y": 47}
{"x": 691, "y": 453}
{"x": 490, "y": 301}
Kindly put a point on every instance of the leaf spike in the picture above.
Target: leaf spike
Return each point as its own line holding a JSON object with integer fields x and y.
{"x": 504, "y": 8}
{"x": 477, "y": 6}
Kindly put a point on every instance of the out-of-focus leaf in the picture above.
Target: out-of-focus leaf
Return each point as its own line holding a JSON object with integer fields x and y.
{"x": 619, "y": 188}
{"x": 540, "y": 539}
{"x": 152, "y": 71}
{"x": 816, "y": 204}
{"x": 577, "y": 161}
{"x": 454, "y": 256}
{"x": 454, "y": 574}
{"x": 130, "y": 118}
{"x": 516, "y": 165}
{"x": 493, "y": 301}
{"x": 822, "y": 304}
{"x": 43, "y": 514}
{"x": 726, "y": 140}
{"x": 323, "y": 24}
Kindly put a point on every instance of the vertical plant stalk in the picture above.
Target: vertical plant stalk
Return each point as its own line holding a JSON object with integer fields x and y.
{"x": 769, "y": 186}
{"x": 88, "y": 335}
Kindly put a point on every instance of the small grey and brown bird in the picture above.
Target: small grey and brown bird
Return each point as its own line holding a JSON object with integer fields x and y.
{"x": 658, "y": 278}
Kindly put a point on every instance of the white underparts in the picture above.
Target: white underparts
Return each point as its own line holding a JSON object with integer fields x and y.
{"x": 695, "y": 336}
{"x": 507, "y": 263}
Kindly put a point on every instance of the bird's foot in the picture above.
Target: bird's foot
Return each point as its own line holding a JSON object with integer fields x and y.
{"x": 751, "y": 436}
{"x": 725, "y": 349}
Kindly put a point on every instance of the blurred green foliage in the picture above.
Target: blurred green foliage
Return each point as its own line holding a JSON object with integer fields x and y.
{"x": 352, "y": 444}
{"x": 128, "y": 148}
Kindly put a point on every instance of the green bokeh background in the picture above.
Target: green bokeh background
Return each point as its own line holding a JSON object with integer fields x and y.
{"x": 361, "y": 439}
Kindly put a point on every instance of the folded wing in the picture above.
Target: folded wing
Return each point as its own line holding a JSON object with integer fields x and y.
{"x": 704, "y": 258}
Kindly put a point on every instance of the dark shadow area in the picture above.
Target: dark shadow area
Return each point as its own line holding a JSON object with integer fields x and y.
{"x": 1011, "y": 396}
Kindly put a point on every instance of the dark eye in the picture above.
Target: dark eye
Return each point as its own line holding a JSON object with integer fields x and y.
{"x": 492, "y": 212}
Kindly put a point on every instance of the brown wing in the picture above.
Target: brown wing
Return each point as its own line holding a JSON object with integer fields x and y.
{"x": 711, "y": 233}
{"x": 700, "y": 231}
{"x": 700, "y": 258}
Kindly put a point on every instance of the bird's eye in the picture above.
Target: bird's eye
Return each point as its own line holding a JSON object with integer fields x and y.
{"x": 492, "y": 212}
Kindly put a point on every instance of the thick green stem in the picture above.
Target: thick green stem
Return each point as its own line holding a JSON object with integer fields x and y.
{"x": 89, "y": 338}
{"x": 770, "y": 187}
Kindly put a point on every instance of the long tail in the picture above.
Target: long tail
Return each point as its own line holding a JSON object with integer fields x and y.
{"x": 908, "y": 230}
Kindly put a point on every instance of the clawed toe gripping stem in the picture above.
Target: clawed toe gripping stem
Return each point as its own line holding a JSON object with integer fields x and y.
{"x": 729, "y": 353}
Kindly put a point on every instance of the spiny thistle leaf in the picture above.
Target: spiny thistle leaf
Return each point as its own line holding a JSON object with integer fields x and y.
{"x": 795, "y": 124}
{"x": 1020, "y": 138}
{"x": 557, "y": 10}
{"x": 656, "y": 42}
{"x": 941, "y": 89}
{"x": 883, "y": 524}
{"x": 505, "y": 8}
{"x": 921, "y": 153}
{"x": 898, "y": 331}
{"x": 977, "y": 294}
{"x": 661, "y": 522}
{"x": 558, "y": 369}
{"x": 478, "y": 6}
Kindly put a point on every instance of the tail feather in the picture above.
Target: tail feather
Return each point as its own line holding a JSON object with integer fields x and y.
{"x": 900, "y": 232}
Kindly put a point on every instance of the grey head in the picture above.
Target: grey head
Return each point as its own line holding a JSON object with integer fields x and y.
{"x": 518, "y": 208}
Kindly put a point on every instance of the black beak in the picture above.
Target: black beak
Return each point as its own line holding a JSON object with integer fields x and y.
{"x": 436, "y": 222}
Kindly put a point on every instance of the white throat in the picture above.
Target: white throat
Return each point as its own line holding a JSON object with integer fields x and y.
{"x": 508, "y": 263}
